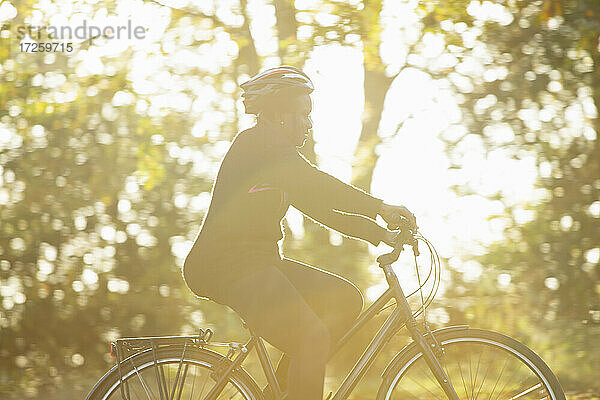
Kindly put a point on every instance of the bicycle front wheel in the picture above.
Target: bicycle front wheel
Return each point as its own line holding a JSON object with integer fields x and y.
{"x": 190, "y": 378}
{"x": 479, "y": 364}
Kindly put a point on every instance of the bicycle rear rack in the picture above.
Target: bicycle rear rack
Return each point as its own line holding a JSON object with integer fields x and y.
{"x": 124, "y": 348}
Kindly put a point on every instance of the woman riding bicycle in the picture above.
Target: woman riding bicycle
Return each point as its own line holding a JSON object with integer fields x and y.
{"x": 235, "y": 260}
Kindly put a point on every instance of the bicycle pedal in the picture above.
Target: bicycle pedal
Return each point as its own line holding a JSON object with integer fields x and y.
{"x": 329, "y": 396}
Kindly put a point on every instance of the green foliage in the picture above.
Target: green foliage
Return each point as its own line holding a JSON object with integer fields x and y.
{"x": 102, "y": 185}
{"x": 548, "y": 266}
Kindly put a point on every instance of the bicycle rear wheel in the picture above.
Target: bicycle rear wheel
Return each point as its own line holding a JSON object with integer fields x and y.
{"x": 191, "y": 379}
{"x": 480, "y": 365}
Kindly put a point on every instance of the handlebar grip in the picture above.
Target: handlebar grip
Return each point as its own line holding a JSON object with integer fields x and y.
{"x": 404, "y": 237}
{"x": 389, "y": 258}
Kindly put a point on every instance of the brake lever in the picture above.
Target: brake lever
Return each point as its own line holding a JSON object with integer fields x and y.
{"x": 404, "y": 237}
{"x": 415, "y": 246}
{"x": 413, "y": 242}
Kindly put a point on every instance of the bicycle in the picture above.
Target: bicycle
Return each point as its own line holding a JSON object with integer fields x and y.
{"x": 454, "y": 362}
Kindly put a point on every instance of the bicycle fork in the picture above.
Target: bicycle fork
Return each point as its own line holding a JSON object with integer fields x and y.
{"x": 417, "y": 336}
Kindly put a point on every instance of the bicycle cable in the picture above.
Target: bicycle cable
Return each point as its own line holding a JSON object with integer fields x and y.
{"x": 435, "y": 270}
{"x": 436, "y": 266}
{"x": 424, "y": 311}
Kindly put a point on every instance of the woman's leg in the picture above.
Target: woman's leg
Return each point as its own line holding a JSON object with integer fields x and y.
{"x": 272, "y": 306}
{"x": 335, "y": 300}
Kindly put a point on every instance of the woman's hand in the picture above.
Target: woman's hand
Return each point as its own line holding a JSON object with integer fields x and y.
{"x": 391, "y": 214}
{"x": 390, "y": 238}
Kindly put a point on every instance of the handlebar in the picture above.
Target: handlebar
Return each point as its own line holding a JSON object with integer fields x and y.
{"x": 407, "y": 235}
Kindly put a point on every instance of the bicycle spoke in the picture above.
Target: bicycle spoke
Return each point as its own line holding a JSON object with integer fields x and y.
{"x": 181, "y": 382}
{"x": 144, "y": 386}
{"x": 499, "y": 376}
{"x": 137, "y": 396}
{"x": 477, "y": 370}
{"x": 166, "y": 385}
{"x": 175, "y": 384}
{"x": 418, "y": 383}
{"x": 462, "y": 378}
{"x": 193, "y": 384}
{"x": 204, "y": 384}
{"x": 185, "y": 379}
{"x": 509, "y": 380}
{"x": 483, "y": 380}
{"x": 470, "y": 376}
{"x": 526, "y": 391}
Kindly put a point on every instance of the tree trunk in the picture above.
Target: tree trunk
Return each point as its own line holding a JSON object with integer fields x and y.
{"x": 287, "y": 50}
{"x": 287, "y": 26}
{"x": 247, "y": 52}
{"x": 376, "y": 85}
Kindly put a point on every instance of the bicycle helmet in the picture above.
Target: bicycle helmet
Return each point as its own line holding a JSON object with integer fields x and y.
{"x": 270, "y": 82}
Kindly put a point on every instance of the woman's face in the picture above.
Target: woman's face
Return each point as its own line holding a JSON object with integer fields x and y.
{"x": 298, "y": 124}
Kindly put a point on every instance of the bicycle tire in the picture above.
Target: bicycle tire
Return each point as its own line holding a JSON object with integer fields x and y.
{"x": 139, "y": 371}
{"x": 409, "y": 377}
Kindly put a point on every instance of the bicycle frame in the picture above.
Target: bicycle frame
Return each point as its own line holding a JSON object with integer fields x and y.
{"x": 425, "y": 347}
{"x": 401, "y": 315}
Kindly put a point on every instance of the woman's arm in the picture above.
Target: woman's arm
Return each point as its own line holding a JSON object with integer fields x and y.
{"x": 317, "y": 190}
{"x": 356, "y": 226}
{"x": 332, "y": 202}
